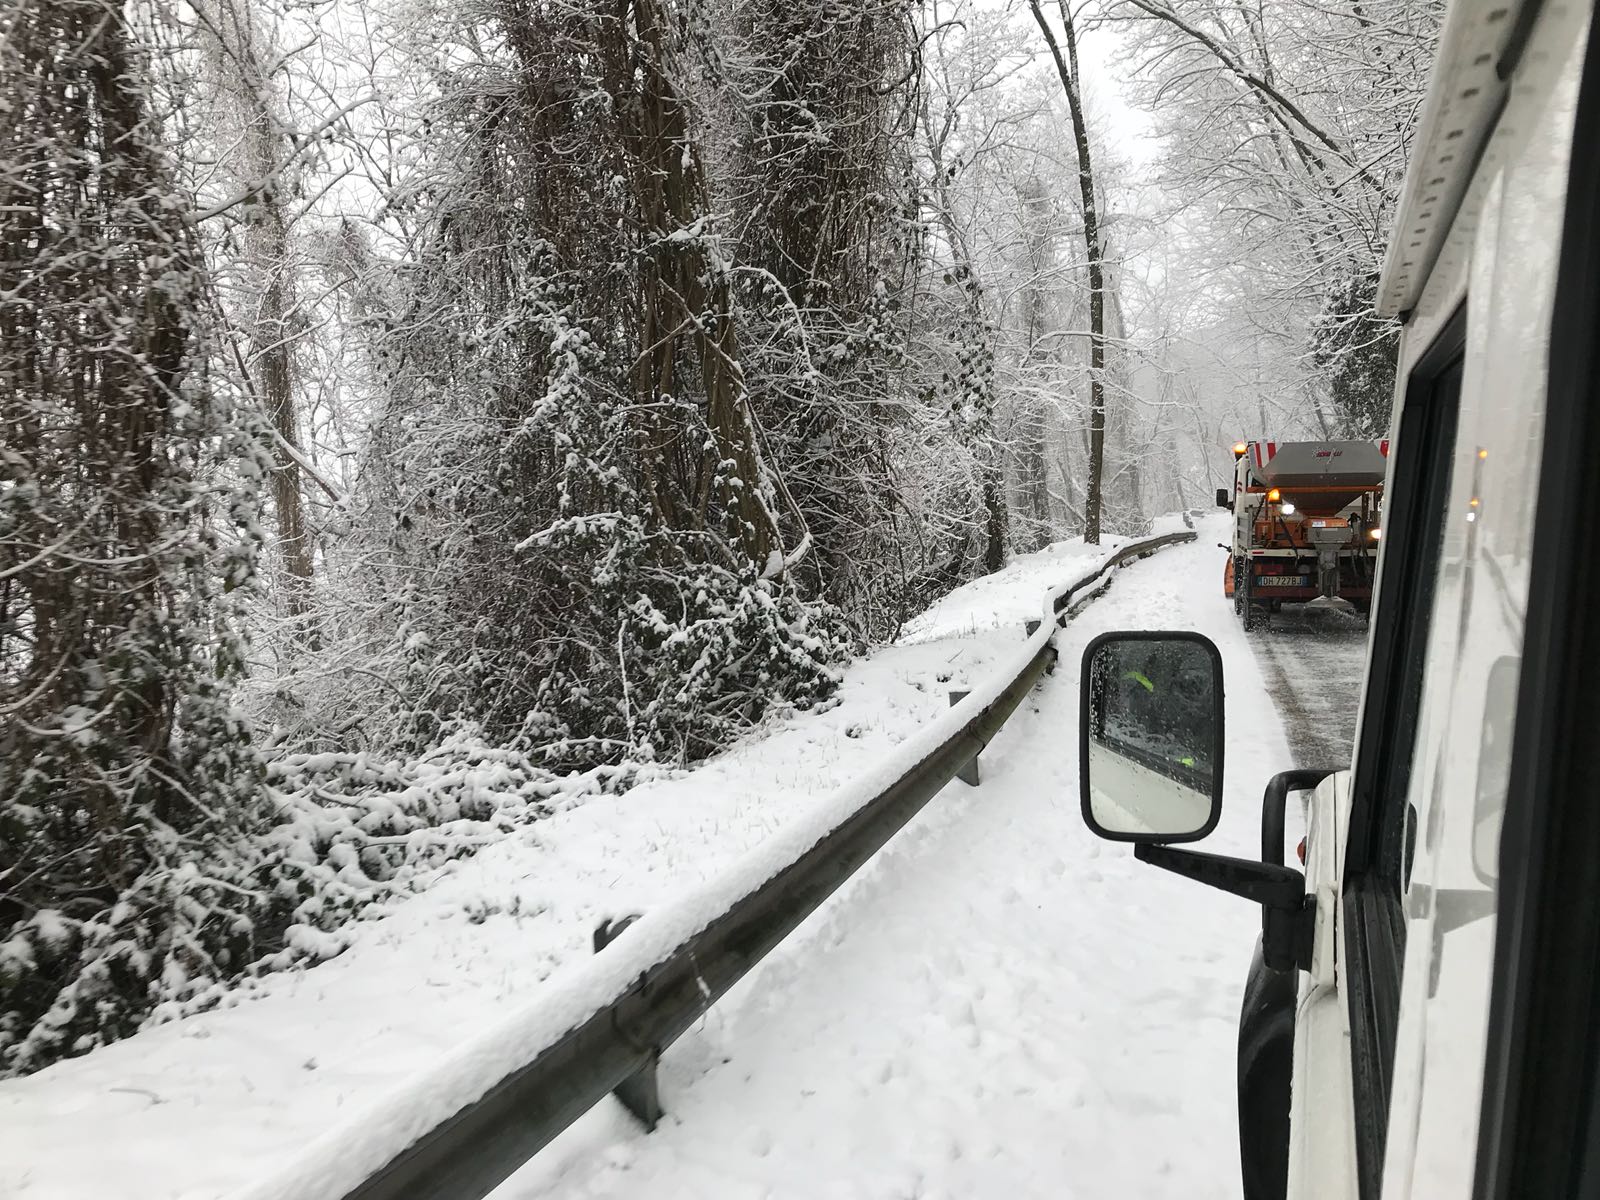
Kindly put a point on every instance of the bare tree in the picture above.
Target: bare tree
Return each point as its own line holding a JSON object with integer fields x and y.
{"x": 1067, "y": 71}
{"x": 1287, "y": 127}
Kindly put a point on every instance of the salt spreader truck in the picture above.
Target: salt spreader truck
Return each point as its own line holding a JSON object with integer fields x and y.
{"x": 1307, "y": 519}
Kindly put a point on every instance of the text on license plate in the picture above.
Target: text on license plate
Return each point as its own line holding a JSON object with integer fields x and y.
{"x": 1284, "y": 580}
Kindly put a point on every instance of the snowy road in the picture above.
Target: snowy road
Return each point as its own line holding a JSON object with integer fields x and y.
{"x": 1312, "y": 660}
{"x": 999, "y": 1005}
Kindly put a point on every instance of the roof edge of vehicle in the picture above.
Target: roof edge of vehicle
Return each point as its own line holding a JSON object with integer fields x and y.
{"x": 1466, "y": 92}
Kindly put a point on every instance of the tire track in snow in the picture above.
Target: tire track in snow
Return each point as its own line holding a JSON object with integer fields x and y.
{"x": 1311, "y": 662}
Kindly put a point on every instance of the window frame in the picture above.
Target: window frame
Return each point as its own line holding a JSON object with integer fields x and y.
{"x": 1381, "y": 833}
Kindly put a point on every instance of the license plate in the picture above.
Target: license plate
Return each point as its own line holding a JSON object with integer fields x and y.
{"x": 1296, "y": 581}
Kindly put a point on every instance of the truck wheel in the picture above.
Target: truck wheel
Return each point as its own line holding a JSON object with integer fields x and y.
{"x": 1248, "y": 611}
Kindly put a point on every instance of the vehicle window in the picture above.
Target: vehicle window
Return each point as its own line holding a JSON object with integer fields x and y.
{"x": 1396, "y": 826}
{"x": 1382, "y": 828}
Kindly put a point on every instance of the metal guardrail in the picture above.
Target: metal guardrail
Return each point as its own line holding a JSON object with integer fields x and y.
{"x": 615, "y": 1049}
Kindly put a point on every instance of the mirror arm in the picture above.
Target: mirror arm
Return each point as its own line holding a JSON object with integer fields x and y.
{"x": 1287, "y": 912}
{"x": 1275, "y": 802}
{"x": 1265, "y": 883}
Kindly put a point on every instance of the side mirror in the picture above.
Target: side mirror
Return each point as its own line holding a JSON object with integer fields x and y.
{"x": 1494, "y": 766}
{"x": 1223, "y": 499}
{"x": 1150, "y": 741}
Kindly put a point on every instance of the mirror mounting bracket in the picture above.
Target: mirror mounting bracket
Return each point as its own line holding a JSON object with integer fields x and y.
{"x": 1288, "y": 914}
{"x": 1274, "y": 803}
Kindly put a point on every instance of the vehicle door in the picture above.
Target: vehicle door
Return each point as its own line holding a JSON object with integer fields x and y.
{"x": 1419, "y": 891}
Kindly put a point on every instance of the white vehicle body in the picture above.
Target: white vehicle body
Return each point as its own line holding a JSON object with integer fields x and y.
{"x": 1425, "y": 998}
{"x": 1395, "y": 1023}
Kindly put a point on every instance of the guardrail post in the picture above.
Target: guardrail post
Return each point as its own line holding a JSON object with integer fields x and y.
{"x": 968, "y": 774}
{"x": 1031, "y": 628}
{"x": 639, "y": 1093}
{"x": 640, "y": 1096}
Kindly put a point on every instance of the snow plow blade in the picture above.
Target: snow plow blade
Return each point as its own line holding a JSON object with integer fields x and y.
{"x": 1336, "y": 604}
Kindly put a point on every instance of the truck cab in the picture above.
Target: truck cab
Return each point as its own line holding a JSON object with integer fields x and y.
{"x": 1438, "y": 955}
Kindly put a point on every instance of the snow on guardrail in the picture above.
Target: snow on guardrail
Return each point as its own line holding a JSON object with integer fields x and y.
{"x": 342, "y": 1159}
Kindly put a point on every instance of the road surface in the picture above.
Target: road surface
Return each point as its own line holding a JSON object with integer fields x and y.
{"x": 1311, "y": 660}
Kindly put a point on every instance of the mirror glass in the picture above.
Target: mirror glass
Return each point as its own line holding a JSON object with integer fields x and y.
{"x": 1152, "y": 736}
{"x": 1494, "y": 765}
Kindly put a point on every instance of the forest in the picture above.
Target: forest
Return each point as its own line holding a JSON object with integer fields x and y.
{"x": 418, "y": 416}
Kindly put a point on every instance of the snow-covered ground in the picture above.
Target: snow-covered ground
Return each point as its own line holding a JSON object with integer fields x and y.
{"x": 218, "y": 1102}
{"x": 997, "y": 1005}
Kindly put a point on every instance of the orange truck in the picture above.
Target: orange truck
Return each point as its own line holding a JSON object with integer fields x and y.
{"x": 1307, "y": 518}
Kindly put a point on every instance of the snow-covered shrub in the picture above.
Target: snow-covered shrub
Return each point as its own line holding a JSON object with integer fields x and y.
{"x": 353, "y": 831}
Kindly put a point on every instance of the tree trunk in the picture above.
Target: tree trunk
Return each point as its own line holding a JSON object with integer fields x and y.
{"x": 686, "y": 307}
{"x": 1067, "y": 69}
{"x": 1032, "y": 456}
{"x": 273, "y": 335}
{"x": 241, "y": 63}
{"x": 980, "y": 382}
